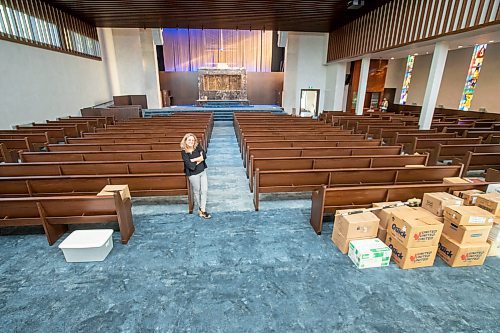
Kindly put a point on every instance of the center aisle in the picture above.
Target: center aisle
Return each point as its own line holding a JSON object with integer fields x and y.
{"x": 227, "y": 183}
{"x": 228, "y": 188}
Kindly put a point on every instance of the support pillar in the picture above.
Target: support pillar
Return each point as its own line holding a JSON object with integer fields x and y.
{"x": 338, "y": 85}
{"x": 433, "y": 84}
{"x": 363, "y": 80}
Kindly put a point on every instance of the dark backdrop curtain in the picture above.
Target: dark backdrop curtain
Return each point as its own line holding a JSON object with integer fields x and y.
{"x": 189, "y": 49}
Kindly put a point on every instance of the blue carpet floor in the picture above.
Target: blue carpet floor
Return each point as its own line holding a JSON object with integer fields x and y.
{"x": 242, "y": 271}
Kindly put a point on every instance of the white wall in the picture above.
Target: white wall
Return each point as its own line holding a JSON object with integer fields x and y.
{"x": 136, "y": 64}
{"x": 394, "y": 77}
{"x": 452, "y": 84}
{"x": 304, "y": 67}
{"x": 38, "y": 84}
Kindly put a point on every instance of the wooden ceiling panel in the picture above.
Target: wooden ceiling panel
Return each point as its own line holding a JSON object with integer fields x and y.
{"x": 284, "y": 15}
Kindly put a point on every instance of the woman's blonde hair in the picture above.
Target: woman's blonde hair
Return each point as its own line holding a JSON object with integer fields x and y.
{"x": 184, "y": 139}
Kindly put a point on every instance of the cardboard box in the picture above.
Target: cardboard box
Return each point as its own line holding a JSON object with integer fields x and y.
{"x": 357, "y": 226}
{"x": 494, "y": 248}
{"x": 381, "y": 233}
{"x": 413, "y": 230}
{"x": 385, "y": 214}
{"x": 469, "y": 196}
{"x": 466, "y": 234}
{"x": 494, "y": 235}
{"x": 341, "y": 242}
{"x": 368, "y": 253}
{"x": 489, "y": 202}
{"x": 460, "y": 255}
{"x": 454, "y": 180}
{"x": 467, "y": 215}
{"x": 110, "y": 189}
{"x": 414, "y": 257}
{"x": 436, "y": 202}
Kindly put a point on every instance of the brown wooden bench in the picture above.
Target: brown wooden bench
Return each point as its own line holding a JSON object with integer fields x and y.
{"x": 428, "y": 145}
{"x": 308, "y": 180}
{"x": 4, "y": 154}
{"x": 151, "y": 184}
{"x": 328, "y": 200}
{"x": 479, "y": 161}
{"x": 124, "y": 155}
{"x": 37, "y": 140}
{"x": 12, "y": 147}
{"x": 56, "y": 213}
{"x": 54, "y": 135}
{"x": 407, "y": 139}
{"x": 113, "y": 147}
{"x": 389, "y": 134}
{"x": 318, "y": 152}
{"x": 90, "y": 168}
{"x": 450, "y": 152}
{"x": 69, "y": 130}
{"x": 332, "y": 162}
{"x": 325, "y": 144}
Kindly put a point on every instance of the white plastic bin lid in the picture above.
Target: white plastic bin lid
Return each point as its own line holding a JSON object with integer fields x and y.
{"x": 80, "y": 239}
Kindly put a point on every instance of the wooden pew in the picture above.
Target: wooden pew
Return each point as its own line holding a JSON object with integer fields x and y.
{"x": 479, "y": 161}
{"x": 332, "y": 162}
{"x": 450, "y": 152}
{"x": 37, "y": 140}
{"x": 4, "y": 154}
{"x": 427, "y": 145}
{"x": 69, "y": 130}
{"x": 90, "y": 168}
{"x": 317, "y": 152}
{"x": 54, "y": 135}
{"x": 151, "y": 184}
{"x": 328, "y": 200}
{"x": 389, "y": 134}
{"x": 124, "y": 155}
{"x": 308, "y": 143}
{"x": 113, "y": 147}
{"x": 13, "y": 146}
{"x": 308, "y": 180}
{"x": 407, "y": 139}
{"x": 56, "y": 213}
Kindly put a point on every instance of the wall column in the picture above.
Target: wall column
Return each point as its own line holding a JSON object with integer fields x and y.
{"x": 363, "y": 80}
{"x": 335, "y": 86}
{"x": 433, "y": 84}
{"x": 109, "y": 59}
{"x": 150, "y": 64}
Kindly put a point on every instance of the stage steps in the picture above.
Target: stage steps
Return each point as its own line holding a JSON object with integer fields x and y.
{"x": 220, "y": 114}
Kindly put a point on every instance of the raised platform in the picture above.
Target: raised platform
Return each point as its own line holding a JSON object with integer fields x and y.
{"x": 221, "y": 104}
{"x": 222, "y": 113}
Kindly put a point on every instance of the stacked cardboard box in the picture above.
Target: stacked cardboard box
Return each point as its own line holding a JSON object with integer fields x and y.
{"x": 466, "y": 229}
{"x": 436, "y": 202}
{"x": 491, "y": 203}
{"x": 469, "y": 196}
{"x": 384, "y": 215}
{"x": 413, "y": 235}
{"x": 358, "y": 225}
{"x": 368, "y": 253}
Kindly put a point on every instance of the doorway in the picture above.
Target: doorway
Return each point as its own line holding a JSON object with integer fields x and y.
{"x": 309, "y": 103}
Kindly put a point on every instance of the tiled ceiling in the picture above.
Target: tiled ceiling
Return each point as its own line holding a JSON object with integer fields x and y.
{"x": 284, "y": 15}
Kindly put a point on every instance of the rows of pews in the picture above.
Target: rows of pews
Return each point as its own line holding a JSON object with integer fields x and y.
{"x": 58, "y": 184}
{"x": 346, "y": 161}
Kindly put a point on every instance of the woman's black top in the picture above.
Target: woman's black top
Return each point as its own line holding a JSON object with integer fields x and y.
{"x": 190, "y": 168}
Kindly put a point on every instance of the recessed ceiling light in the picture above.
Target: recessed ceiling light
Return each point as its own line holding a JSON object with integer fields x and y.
{"x": 392, "y": 58}
{"x": 426, "y": 52}
{"x": 491, "y": 41}
{"x": 460, "y": 46}
{"x": 415, "y": 53}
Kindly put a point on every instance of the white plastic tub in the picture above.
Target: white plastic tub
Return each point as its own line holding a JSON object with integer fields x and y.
{"x": 87, "y": 245}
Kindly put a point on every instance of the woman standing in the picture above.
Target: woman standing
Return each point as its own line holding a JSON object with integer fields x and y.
{"x": 194, "y": 158}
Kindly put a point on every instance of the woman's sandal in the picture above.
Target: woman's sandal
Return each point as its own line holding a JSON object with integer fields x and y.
{"x": 204, "y": 215}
